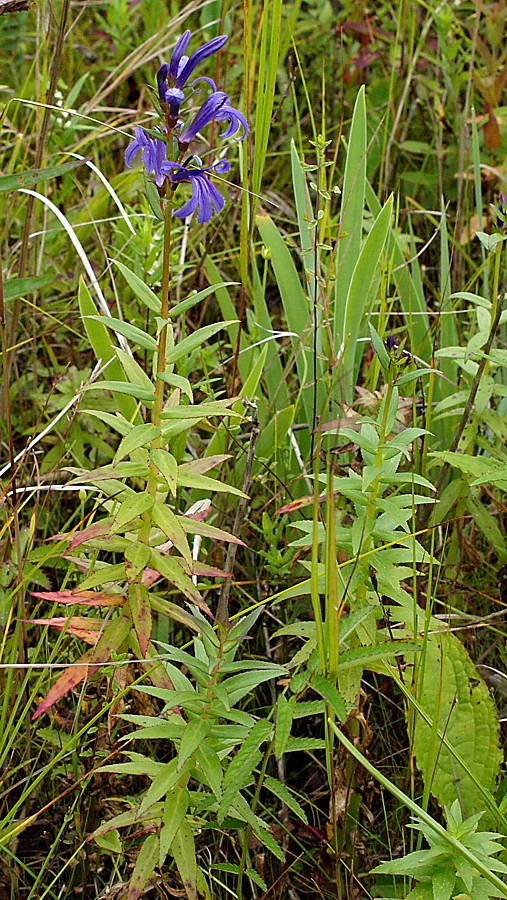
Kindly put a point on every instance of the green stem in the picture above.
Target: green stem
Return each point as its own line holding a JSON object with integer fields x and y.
{"x": 156, "y": 413}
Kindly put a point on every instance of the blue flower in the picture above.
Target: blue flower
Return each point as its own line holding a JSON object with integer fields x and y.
{"x": 205, "y": 198}
{"x": 154, "y": 154}
{"x": 173, "y": 76}
{"x": 216, "y": 106}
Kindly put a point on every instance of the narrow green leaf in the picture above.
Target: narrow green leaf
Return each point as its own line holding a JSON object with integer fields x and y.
{"x": 140, "y": 609}
{"x": 166, "y": 520}
{"x": 286, "y": 796}
{"x": 153, "y": 199}
{"x": 35, "y": 176}
{"x": 105, "y": 574}
{"x": 211, "y": 768}
{"x": 359, "y": 293}
{"x": 140, "y": 436}
{"x": 379, "y": 347}
{"x": 100, "y": 340}
{"x": 200, "y": 295}
{"x": 284, "y": 716}
{"x": 141, "y": 290}
{"x": 116, "y": 422}
{"x": 241, "y": 768}
{"x": 145, "y": 864}
{"x": 329, "y": 693}
{"x": 133, "y": 371}
{"x": 162, "y": 784}
{"x": 183, "y": 851}
{"x": 132, "y": 507}
{"x": 207, "y": 484}
{"x": 167, "y": 466}
{"x": 175, "y": 809}
{"x": 195, "y": 734}
{"x": 366, "y": 656}
{"x": 193, "y": 341}
{"x": 169, "y": 568}
{"x": 138, "y": 391}
{"x": 301, "y": 744}
{"x": 131, "y": 332}
{"x": 351, "y": 216}
{"x": 18, "y": 287}
{"x": 137, "y": 557}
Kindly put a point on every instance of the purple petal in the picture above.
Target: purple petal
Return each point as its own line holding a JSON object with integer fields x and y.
{"x": 237, "y": 121}
{"x": 174, "y": 97}
{"x": 197, "y": 57}
{"x": 179, "y": 49}
{"x": 205, "y": 115}
{"x": 162, "y": 74}
{"x": 207, "y": 80}
{"x": 205, "y": 197}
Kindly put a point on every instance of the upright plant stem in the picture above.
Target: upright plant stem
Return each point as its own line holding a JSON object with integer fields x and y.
{"x": 156, "y": 414}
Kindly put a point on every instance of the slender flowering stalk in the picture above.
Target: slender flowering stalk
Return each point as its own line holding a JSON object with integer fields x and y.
{"x": 169, "y": 173}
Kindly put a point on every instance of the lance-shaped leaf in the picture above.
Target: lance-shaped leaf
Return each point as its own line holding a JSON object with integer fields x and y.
{"x": 168, "y": 522}
{"x": 137, "y": 557}
{"x": 240, "y": 770}
{"x": 193, "y": 526}
{"x": 167, "y": 466}
{"x": 112, "y": 638}
{"x": 140, "y": 609}
{"x": 132, "y": 507}
{"x": 35, "y": 176}
{"x": 138, "y": 286}
{"x": 98, "y": 529}
{"x": 169, "y": 568}
{"x": 145, "y": 864}
{"x": 132, "y": 332}
{"x": 140, "y": 436}
{"x": 78, "y": 626}
{"x": 80, "y": 598}
{"x": 175, "y": 809}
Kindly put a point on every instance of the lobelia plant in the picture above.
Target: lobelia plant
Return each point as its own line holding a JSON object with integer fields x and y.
{"x": 142, "y": 527}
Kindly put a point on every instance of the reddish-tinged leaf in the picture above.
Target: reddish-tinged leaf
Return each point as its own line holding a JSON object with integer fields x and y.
{"x": 204, "y": 464}
{"x": 199, "y": 510}
{"x": 149, "y": 577}
{"x": 491, "y": 129}
{"x": 81, "y": 598}
{"x": 87, "y": 664}
{"x": 296, "y": 504}
{"x": 98, "y": 529}
{"x": 140, "y": 609}
{"x": 206, "y": 571}
{"x": 70, "y": 679}
{"x": 78, "y": 626}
